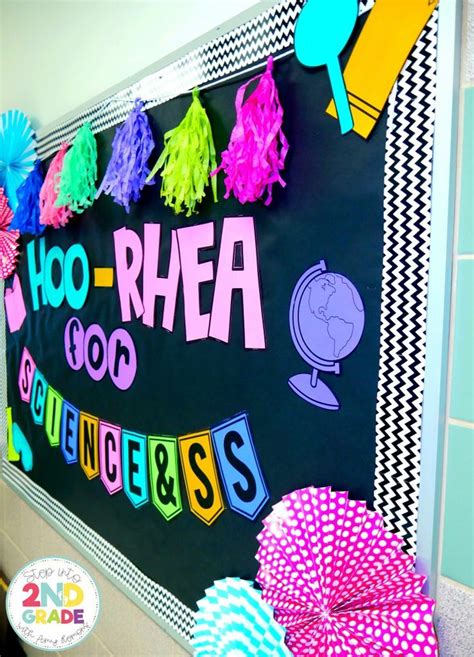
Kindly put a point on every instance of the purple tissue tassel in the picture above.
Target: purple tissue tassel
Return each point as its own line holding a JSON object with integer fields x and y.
{"x": 127, "y": 170}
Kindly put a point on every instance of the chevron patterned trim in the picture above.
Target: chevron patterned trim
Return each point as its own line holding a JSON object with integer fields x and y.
{"x": 248, "y": 45}
{"x": 159, "y": 602}
{"x": 407, "y": 213}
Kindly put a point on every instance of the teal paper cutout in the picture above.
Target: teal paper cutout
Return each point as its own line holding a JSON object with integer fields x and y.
{"x": 135, "y": 467}
{"x": 38, "y": 397}
{"x": 22, "y": 446}
{"x": 322, "y": 31}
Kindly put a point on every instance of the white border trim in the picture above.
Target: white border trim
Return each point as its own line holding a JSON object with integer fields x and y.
{"x": 439, "y": 288}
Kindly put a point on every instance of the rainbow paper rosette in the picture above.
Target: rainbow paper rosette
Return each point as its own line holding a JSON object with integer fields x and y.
{"x": 232, "y": 619}
{"x": 8, "y": 239}
{"x": 17, "y": 152}
{"x": 339, "y": 582}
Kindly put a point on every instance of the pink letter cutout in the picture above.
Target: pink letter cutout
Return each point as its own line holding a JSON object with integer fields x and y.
{"x": 159, "y": 286}
{"x": 127, "y": 240}
{"x": 190, "y": 240}
{"x": 238, "y": 233}
{"x": 26, "y": 375}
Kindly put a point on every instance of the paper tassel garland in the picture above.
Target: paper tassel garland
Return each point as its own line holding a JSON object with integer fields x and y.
{"x": 187, "y": 160}
{"x": 17, "y": 152}
{"x": 339, "y": 582}
{"x": 127, "y": 170}
{"x": 50, "y": 214}
{"x": 77, "y": 182}
{"x": 27, "y": 215}
{"x": 257, "y": 148}
{"x": 8, "y": 239}
{"x": 234, "y": 620}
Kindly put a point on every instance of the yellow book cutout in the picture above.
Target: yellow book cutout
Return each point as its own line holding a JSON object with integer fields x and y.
{"x": 386, "y": 40}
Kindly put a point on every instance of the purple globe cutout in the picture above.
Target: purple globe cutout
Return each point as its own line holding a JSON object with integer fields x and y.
{"x": 326, "y": 324}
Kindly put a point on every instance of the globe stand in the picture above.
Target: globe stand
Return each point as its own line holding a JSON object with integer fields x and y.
{"x": 310, "y": 388}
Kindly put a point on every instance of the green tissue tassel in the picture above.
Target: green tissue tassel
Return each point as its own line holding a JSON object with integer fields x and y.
{"x": 77, "y": 187}
{"x": 187, "y": 159}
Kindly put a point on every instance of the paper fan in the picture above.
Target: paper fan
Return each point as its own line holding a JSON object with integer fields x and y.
{"x": 233, "y": 620}
{"x": 17, "y": 152}
{"x": 8, "y": 239}
{"x": 339, "y": 582}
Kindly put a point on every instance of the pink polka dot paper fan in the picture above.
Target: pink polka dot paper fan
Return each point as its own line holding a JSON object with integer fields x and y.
{"x": 339, "y": 582}
{"x": 8, "y": 239}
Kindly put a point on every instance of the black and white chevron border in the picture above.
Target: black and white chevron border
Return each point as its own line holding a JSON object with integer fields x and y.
{"x": 409, "y": 146}
{"x": 162, "y": 604}
{"x": 407, "y": 215}
{"x": 269, "y": 33}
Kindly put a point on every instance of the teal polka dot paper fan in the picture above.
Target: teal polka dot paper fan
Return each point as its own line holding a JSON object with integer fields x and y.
{"x": 233, "y": 620}
{"x": 17, "y": 152}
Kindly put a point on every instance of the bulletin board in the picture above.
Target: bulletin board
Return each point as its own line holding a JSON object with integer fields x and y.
{"x": 352, "y": 223}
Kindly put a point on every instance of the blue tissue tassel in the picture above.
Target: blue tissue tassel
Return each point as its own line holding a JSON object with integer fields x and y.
{"x": 127, "y": 170}
{"x": 27, "y": 215}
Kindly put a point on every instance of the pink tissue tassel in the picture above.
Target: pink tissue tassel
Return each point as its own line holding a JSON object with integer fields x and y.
{"x": 50, "y": 215}
{"x": 257, "y": 147}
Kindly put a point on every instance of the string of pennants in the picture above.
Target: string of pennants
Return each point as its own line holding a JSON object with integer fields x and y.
{"x": 145, "y": 465}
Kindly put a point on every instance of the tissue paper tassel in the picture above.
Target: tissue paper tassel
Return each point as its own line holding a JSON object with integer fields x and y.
{"x": 127, "y": 170}
{"x": 187, "y": 160}
{"x": 50, "y": 214}
{"x": 257, "y": 147}
{"x": 77, "y": 182}
{"x": 27, "y": 215}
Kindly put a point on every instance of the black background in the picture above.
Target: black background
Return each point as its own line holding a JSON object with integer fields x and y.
{"x": 332, "y": 209}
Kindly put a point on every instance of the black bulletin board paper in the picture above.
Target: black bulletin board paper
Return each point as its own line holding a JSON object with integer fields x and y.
{"x": 331, "y": 209}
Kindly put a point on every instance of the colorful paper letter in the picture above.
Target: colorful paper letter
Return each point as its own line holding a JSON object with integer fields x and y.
{"x": 238, "y": 233}
{"x": 122, "y": 359}
{"x": 164, "y": 475}
{"x": 200, "y": 476}
{"x": 12, "y": 454}
{"x": 239, "y": 467}
{"x": 36, "y": 274}
{"x": 89, "y": 444}
{"x": 74, "y": 343}
{"x": 95, "y": 352}
{"x": 76, "y": 296}
{"x": 26, "y": 375}
{"x": 191, "y": 239}
{"x": 38, "y": 397}
{"x": 159, "y": 286}
{"x": 15, "y": 305}
{"x": 134, "y": 474}
{"x": 70, "y": 433}
{"x": 127, "y": 240}
{"x": 55, "y": 294}
{"x": 22, "y": 446}
{"x": 110, "y": 456}
{"x": 52, "y": 419}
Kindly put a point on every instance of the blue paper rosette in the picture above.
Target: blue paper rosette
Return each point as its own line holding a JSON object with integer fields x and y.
{"x": 232, "y": 619}
{"x": 17, "y": 152}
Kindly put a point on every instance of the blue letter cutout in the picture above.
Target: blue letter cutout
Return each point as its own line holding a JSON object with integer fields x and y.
{"x": 239, "y": 467}
{"x": 69, "y": 432}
